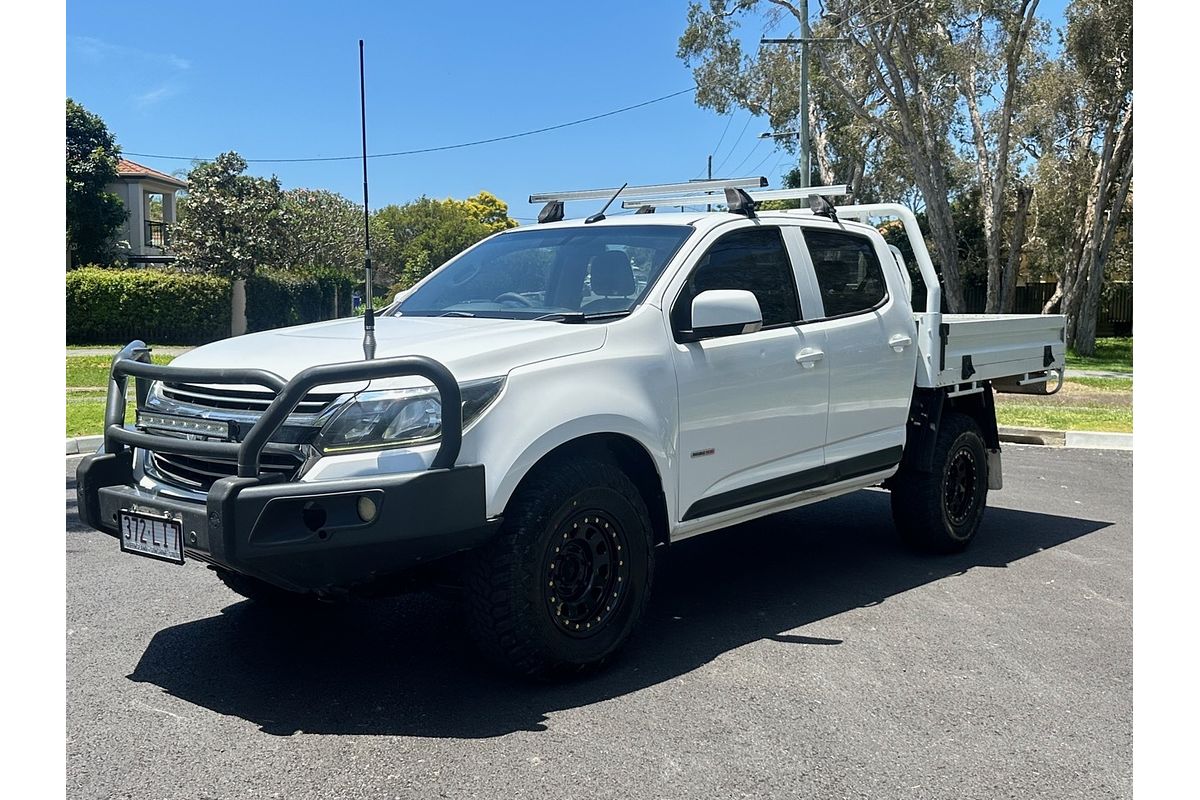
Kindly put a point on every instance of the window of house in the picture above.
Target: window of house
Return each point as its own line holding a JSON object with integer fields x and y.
{"x": 848, "y": 271}
{"x": 753, "y": 259}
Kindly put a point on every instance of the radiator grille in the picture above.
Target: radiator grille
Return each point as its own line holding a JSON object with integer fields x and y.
{"x": 240, "y": 399}
{"x": 200, "y": 474}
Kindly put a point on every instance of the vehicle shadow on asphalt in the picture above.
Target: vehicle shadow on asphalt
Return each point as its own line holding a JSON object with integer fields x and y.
{"x": 403, "y": 667}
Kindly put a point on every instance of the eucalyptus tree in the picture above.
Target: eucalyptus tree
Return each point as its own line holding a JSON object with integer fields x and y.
{"x": 1089, "y": 144}
{"x": 892, "y": 73}
{"x": 993, "y": 46}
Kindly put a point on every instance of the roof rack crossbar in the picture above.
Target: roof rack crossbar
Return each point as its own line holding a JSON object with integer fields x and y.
{"x": 757, "y": 181}
{"x": 756, "y": 196}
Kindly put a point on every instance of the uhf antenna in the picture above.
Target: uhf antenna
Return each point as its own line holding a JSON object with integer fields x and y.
{"x": 369, "y": 316}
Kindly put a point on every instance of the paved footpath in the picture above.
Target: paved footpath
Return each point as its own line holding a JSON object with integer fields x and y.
{"x": 805, "y": 655}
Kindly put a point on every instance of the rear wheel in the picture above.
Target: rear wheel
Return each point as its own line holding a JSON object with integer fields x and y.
{"x": 941, "y": 510}
{"x": 562, "y": 586}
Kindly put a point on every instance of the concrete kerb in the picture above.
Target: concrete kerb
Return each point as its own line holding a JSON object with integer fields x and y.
{"x": 84, "y": 445}
{"x": 1095, "y": 440}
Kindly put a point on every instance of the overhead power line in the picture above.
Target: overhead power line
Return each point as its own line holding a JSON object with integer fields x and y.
{"x": 735, "y": 144}
{"x": 438, "y": 148}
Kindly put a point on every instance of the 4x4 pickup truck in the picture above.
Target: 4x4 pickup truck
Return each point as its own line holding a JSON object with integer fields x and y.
{"x": 558, "y": 401}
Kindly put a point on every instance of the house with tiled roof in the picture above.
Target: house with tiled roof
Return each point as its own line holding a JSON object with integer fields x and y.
{"x": 149, "y": 197}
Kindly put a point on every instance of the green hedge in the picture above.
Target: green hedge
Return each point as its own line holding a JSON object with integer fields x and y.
{"x": 277, "y": 299}
{"x": 119, "y": 305}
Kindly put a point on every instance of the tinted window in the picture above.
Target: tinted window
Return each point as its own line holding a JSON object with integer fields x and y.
{"x": 848, "y": 272}
{"x": 753, "y": 259}
{"x": 531, "y": 273}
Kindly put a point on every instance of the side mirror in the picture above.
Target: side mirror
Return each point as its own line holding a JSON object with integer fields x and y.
{"x": 401, "y": 295}
{"x": 724, "y": 312}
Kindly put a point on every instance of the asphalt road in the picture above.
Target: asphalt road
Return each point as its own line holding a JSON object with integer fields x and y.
{"x": 806, "y": 655}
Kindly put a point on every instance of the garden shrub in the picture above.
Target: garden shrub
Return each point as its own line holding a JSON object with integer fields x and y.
{"x": 107, "y": 306}
{"x": 277, "y": 299}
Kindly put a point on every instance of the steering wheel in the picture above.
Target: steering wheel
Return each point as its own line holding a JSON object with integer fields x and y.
{"x": 525, "y": 301}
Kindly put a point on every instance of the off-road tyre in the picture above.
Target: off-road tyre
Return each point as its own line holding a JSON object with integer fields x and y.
{"x": 565, "y": 581}
{"x": 940, "y": 511}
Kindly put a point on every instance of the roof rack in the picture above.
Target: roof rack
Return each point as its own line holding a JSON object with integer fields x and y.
{"x": 651, "y": 190}
{"x": 693, "y": 199}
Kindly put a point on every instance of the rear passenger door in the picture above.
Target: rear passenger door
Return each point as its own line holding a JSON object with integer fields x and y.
{"x": 870, "y": 346}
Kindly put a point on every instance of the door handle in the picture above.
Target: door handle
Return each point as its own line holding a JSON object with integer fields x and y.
{"x": 808, "y": 357}
{"x": 899, "y": 342}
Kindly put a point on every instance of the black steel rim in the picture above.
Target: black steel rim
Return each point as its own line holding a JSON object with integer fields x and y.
{"x": 959, "y": 488}
{"x": 587, "y": 573}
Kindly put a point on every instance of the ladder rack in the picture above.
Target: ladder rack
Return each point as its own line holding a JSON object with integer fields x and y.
{"x": 694, "y": 199}
{"x": 651, "y": 190}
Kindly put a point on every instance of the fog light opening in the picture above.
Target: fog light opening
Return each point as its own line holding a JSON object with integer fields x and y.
{"x": 367, "y": 510}
{"x": 313, "y": 515}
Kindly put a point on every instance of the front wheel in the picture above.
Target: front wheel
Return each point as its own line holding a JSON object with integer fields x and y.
{"x": 941, "y": 510}
{"x": 564, "y": 583}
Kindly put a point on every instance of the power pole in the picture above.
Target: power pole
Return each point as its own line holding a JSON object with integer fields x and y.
{"x": 804, "y": 41}
{"x": 710, "y": 175}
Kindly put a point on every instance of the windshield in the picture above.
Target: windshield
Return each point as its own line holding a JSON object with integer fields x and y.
{"x": 556, "y": 273}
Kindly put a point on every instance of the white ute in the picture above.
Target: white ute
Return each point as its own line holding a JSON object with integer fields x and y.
{"x": 624, "y": 383}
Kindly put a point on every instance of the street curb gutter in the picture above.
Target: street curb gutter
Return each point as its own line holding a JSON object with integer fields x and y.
{"x": 1093, "y": 440}
{"x": 1033, "y": 436}
{"x": 84, "y": 444}
{"x": 1100, "y": 441}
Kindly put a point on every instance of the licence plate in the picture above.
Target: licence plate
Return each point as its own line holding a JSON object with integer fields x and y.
{"x": 148, "y": 535}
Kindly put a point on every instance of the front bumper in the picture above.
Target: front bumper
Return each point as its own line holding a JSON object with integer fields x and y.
{"x": 304, "y": 536}
{"x": 298, "y": 536}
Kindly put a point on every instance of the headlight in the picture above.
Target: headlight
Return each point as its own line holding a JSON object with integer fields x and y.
{"x": 399, "y": 417}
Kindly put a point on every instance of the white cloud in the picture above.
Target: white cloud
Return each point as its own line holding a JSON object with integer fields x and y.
{"x": 94, "y": 49}
{"x": 156, "y": 95}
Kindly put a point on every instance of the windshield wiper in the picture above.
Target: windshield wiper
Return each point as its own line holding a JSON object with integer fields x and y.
{"x": 576, "y": 317}
{"x": 456, "y": 314}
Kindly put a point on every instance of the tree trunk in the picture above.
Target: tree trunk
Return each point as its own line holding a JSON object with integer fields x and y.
{"x": 993, "y": 176}
{"x": 1085, "y": 330}
{"x": 945, "y": 241}
{"x": 1008, "y": 293}
{"x": 820, "y": 146}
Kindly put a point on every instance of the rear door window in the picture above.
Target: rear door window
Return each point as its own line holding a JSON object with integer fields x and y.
{"x": 848, "y": 271}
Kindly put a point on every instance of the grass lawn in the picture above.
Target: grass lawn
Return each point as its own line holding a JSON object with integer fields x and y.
{"x": 1104, "y": 384}
{"x": 85, "y": 401}
{"x": 1112, "y": 355}
{"x": 1083, "y": 404}
{"x": 93, "y": 370}
{"x": 85, "y": 413}
{"x": 115, "y": 348}
{"x": 1067, "y": 418}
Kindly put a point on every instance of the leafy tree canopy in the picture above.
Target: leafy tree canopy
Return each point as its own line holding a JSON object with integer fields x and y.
{"x": 235, "y": 223}
{"x": 94, "y": 216}
{"x": 325, "y": 231}
{"x": 420, "y": 236}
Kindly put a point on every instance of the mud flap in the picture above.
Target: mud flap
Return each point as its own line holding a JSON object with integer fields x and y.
{"x": 995, "y": 474}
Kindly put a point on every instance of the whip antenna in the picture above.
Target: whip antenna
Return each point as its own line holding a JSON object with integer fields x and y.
{"x": 369, "y": 316}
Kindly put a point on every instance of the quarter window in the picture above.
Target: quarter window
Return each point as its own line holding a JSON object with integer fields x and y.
{"x": 753, "y": 259}
{"x": 848, "y": 272}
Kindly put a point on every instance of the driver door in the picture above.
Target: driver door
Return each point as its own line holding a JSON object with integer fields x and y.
{"x": 752, "y": 406}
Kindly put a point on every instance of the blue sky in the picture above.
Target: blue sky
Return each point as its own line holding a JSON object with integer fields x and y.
{"x": 280, "y": 80}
